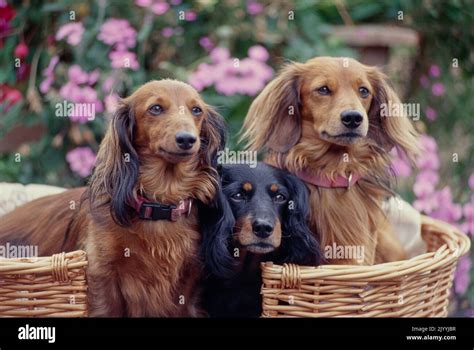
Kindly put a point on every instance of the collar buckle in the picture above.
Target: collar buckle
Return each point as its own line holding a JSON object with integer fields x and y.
{"x": 349, "y": 181}
{"x": 155, "y": 211}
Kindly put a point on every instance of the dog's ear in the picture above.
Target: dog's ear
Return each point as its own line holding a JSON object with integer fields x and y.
{"x": 387, "y": 128}
{"x": 273, "y": 120}
{"x": 299, "y": 244}
{"x": 213, "y": 137}
{"x": 217, "y": 222}
{"x": 116, "y": 172}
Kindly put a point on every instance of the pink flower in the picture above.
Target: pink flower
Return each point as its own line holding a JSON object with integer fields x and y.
{"x": 206, "y": 43}
{"x": 423, "y": 189}
{"x": 428, "y": 144}
{"x": 447, "y": 210}
{"x": 427, "y": 204}
{"x": 118, "y": 32}
{"x": 81, "y": 160}
{"x": 424, "y": 81}
{"x": 400, "y": 164}
{"x": 202, "y": 77}
{"x": 471, "y": 181}
{"x": 434, "y": 71}
{"x": 231, "y": 76}
{"x": 254, "y": 8}
{"x": 77, "y": 75}
{"x": 48, "y": 73}
{"x": 21, "y": 50}
{"x": 428, "y": 176}
{"x": 468, "y": 211}
{"x": 158, "y": 7}
{"x": 74, "y": 93}
{"x": 259, "y": 53}
{"x": 111, "y": 103}
{"x": 9, "y": 96}
{"x": 248, "y": 78}
{"x": 167, "y": 32}
{"x": 93, "y": 77}
{"x": 46, "y": 85}
{"x": 123, "y": 59}
{"x": 462, "y": 277}
{"x": 108, "y": 84}
{"x": 437, "y": 89}
{"x": 401, "y": 168}
{"x": 72, "y": 31}
{"x": 190, "y": 16}
{"x": 431, "y": 113}
{"x": 469, "y": 313}
{"x": 428, "y": 161}
{"x": 219, "y": 54}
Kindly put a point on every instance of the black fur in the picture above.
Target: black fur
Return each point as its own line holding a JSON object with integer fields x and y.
{"x": 126, "y": 172}
{"x": 232, "y": 286}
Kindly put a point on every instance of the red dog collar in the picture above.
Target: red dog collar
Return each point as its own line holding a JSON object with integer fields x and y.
{"x": 324, "y": 181}
{"x": 158, "y": 211}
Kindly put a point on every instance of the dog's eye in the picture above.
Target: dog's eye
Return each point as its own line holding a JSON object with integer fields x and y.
{"x": 196, "y": 111}
{"x": 279, "y": 198}
{"x": 324, "y": 90}
{"x": 155, "y": 109}
{"x": 364, "y": 92}
{"x": 239, "y": 196}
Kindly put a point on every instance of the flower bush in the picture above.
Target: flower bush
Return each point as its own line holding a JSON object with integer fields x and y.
{"x": 55, "y": 53}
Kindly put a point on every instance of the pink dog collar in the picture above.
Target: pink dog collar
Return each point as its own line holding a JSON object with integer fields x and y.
{"x": 324, "y": 181}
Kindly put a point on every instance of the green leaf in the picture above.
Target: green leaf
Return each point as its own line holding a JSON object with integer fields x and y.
{"x": 365, "y": 10}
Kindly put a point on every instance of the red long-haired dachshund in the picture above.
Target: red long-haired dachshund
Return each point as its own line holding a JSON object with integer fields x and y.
{"x": 136, "y": 220}
{"x": 330, "y": 122}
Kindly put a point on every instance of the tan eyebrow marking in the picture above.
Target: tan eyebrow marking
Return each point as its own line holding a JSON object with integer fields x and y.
{"x": 274, "y": 187}
{"x": 247, "y": 186}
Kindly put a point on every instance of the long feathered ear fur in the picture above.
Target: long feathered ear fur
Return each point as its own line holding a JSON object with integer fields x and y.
{"x": 213, "y": 137}
{"x": 299, "y": 244}
{"x": 116, "y": 172}
{"x": 217, "y": 224}
{"x": 387, "y": 129}
{"x": 273, "y": 120}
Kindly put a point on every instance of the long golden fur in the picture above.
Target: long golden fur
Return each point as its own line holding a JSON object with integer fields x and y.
{"x": 136, "y": 267}
{"x": 298, "y": 122}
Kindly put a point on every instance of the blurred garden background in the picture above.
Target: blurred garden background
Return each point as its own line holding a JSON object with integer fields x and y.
{"x": 98, "y": 51}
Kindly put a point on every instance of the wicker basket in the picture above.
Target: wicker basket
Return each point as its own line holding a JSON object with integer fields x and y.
{"x": 53, "y": 286}
{"x": 418, "y": 287}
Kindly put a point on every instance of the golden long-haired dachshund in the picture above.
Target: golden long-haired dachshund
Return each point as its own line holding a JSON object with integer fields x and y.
{"x": 330, "y": 121}
{"x": 136, "y": 220}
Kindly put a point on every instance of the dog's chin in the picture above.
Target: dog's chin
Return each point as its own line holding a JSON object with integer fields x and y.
{"x": 344, "y": 138}
{"x": 176, "y": 156}
{"x": 260, "y": 248}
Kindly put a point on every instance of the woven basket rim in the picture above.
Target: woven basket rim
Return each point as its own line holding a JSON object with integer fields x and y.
{"x": 456, "y": 245}
{"x": 41, "y": 264}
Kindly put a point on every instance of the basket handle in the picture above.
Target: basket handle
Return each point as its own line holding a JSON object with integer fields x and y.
{"x": 290, "y": 276}
{"x": 59, "y": 267}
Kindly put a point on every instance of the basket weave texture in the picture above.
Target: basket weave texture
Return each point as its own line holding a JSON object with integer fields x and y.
{"x": 418, "y": 287}
{"x": 53, "y": 286}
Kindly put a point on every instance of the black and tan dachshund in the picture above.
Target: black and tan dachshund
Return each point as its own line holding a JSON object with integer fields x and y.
{"x": 260, "y": 214}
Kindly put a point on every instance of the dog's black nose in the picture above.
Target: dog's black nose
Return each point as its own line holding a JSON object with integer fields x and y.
{"x": 351, "y": 119}
{"x": 185, "y": 140}
{"x": 262, "y": 228}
